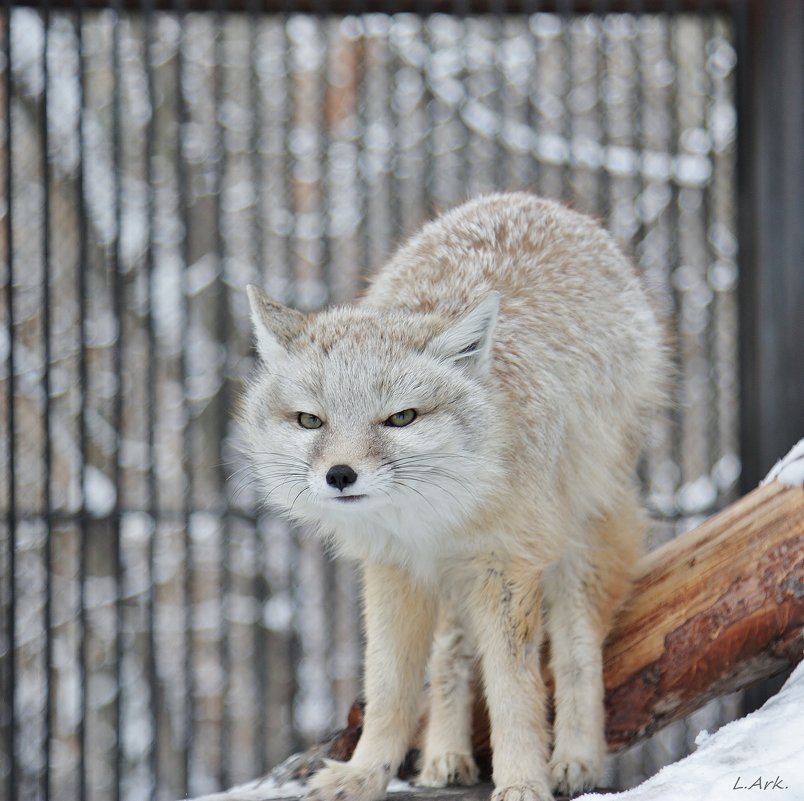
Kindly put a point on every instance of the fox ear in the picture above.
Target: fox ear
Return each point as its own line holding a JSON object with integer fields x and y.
{"x": 275, "y": 325}
{"x": 469, "y": 339}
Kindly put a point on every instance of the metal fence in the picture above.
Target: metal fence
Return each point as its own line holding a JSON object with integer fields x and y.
{"x": 161, "y": 635}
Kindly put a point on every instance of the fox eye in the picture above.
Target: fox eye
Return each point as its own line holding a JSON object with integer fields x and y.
{"x": 309, "y": 420}
{"x": 400, "y": 419}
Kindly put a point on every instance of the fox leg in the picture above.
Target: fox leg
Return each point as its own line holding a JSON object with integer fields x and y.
{"x": 399, "y": 619}
{"x": 504, "y": 611}
{"x": 576, "y": 644}
{"x": 582, "y": 593}
{"x": 447, "y": 757}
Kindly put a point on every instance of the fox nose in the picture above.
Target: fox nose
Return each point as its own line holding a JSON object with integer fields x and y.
{"x": 340, "y": 476}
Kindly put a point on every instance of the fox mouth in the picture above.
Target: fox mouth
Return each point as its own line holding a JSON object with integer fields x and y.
{"x": 348, "y": 498}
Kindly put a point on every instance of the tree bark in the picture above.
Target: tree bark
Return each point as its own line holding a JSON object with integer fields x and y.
{"x": 711, "y": 612}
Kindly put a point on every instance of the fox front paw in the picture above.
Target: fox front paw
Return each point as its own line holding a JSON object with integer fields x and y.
{"x": 342, "y": 781}
{"x": 532, "y": 791}
{"x": 448, "y": 769}
{"x": 571, "y": 776}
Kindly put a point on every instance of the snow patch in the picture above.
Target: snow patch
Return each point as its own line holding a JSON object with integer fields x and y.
{"x": 789, "y": 470}
{"x": 267, "y": 789}
{"x": 760, "y": 756}
{"x": 100, "y": 494}
{"x": 259, "y": 790}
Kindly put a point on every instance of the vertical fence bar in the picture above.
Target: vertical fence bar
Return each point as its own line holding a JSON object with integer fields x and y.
{"x": 257, "y": 247}
{"x": 723, "y": 274}
{"x": 288, "y": 259}
{"x": 288, "y": 161}
{"x": 713, "y": 448}
{"x": 499, "y": 170}
{"x": 325, "y": 276}
{"x": 222, "y": 334}
{"x": 187, "y": 474}
{"x": 44, "y": 141}
{"x": 424, "y": 9}
{"x": 395, "y": 157}
{"x": 187, "y": 469}
{"x": 153, "y": 484}
{"x": 361, "y": 185}
{"x": 533, "y": 114}
{"x": 255, "y": 139}
{"x": 603, "y": 204}
{"x": 637, "y": 138}
{"x": 83, "y": 690}
{"x": 9, "y": 695}
{"x": 673, "y": 246}
{"x": 325, "y": 255}
{"x": 118, "y": 289}
{"x": 565, "y": 9}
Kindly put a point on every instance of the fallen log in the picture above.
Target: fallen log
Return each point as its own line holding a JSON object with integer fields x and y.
{"x": 711, "y": 612}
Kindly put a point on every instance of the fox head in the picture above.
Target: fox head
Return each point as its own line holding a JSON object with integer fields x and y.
{"x": 372, "y": 425}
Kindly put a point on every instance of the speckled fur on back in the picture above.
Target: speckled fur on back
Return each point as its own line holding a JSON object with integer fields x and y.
{"x": 516, "y": 346}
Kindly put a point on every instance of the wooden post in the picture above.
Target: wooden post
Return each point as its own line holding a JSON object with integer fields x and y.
{"x": 770, "y": 162}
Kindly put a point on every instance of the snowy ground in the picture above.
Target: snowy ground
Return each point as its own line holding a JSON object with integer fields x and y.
{"x": 760, "y": 756}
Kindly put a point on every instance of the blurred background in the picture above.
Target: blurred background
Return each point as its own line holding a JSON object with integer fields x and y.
{"x": 162, "y": 634}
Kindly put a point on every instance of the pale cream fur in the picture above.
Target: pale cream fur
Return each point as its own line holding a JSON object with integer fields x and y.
{"x": 525, "y": 342}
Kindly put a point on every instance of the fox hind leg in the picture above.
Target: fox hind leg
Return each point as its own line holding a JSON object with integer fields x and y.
{"x": 582, "y": 593}
{"x": 447, "y": 757}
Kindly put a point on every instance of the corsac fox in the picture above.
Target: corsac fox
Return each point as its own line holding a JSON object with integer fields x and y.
{"x": 468, "y": 431}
